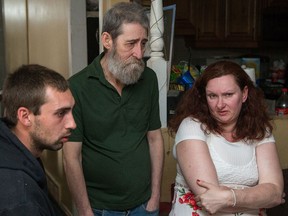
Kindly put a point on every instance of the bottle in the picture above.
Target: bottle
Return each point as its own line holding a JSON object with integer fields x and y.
{"x": 281, "y": 106}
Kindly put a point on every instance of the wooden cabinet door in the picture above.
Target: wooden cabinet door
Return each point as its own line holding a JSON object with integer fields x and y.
{"x": 184, "y": 24}
{"x": 241, "y": 21}
{"x": 15, "y": 34}
{"x": 209, "y": 19}
{"x": 275, "y": 2}
{"x": 218, "y": 23}
{"x": 226, "y": 23}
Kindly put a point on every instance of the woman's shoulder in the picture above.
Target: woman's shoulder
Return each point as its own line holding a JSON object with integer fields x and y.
{"x": 190, "y": 128}
{"x": 191, "y": 121}
{"x": 269, "y": 138}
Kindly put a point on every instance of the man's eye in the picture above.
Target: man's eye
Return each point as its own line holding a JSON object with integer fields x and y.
{"x": 131, "y": 44}
{"x": 61, "y": 113}
{"x": 144, "y": 44}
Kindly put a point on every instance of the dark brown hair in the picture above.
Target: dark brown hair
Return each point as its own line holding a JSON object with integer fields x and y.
{"x": 253, "y": 122}
{"x": 26, "y": 87}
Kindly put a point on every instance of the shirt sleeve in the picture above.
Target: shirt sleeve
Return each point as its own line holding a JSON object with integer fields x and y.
{"x": 189, "y": 129}
{"x": 269, "y": 139}
{"x": 154, "y": 120}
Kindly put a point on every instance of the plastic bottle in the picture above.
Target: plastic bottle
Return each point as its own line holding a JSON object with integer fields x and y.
{"x": 281, "y": 106}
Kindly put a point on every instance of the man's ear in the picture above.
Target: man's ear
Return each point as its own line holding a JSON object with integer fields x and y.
{"x": 23, "y": 115}
{"x": 106, "y": 40}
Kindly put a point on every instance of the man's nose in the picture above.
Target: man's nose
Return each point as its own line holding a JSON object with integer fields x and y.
{"x": 138, "y": 51}
{"x": 71, "y": 122}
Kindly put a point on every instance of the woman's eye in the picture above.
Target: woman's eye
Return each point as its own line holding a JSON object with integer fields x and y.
{"x": 228, "y": 94}
{"x": 211, "y": 96}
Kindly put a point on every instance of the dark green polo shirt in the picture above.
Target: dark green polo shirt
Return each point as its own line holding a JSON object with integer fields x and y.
{"x": 113, "y": 128}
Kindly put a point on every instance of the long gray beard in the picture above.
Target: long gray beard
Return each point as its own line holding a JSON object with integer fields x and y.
{"x": 127, "y": 72}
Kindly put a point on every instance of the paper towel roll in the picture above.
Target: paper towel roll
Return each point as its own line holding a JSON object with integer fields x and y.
{"x": 251, "y": 74}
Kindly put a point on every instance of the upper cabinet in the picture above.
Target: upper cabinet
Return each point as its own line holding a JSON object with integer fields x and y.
{"x": 230, "y": 23}
{"x": 226, "y": 23}
{"x": 274, "y": 23}
{"x": 217, "y": 23}
{"x": 184, "y": 24}
{"x": 268, "y": 3}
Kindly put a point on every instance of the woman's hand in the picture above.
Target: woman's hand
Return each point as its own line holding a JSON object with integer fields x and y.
{"x": 215, "y": 197}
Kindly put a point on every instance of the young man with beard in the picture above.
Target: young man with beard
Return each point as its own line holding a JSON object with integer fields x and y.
{"x": 115, "y": 158}
{"x": 37, "y": 116}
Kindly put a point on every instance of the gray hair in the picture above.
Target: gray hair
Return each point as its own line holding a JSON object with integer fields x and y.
{"x": 124, "y": 13}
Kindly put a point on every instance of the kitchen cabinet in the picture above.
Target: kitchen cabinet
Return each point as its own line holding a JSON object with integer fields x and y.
{"x": 226, "y": 23}
{"x": 267, "y": 3}
{"x": 184, "y": 24}
{"x": 230, "y": 23}
{"x": 183, "y": 21}
{"x": 217, "y": 23}
{"x": 274, "y": 31}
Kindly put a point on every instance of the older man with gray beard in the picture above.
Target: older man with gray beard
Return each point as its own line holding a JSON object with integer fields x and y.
{"x": 115, "y": 158}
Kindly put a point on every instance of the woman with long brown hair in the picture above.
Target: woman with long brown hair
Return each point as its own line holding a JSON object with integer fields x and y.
{"x": 227, "y": 162}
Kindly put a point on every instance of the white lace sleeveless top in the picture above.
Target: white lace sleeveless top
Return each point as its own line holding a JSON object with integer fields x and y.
{"x": 235, "y": 162}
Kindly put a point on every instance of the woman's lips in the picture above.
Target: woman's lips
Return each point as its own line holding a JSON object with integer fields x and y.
{"x": 222, "y": 113}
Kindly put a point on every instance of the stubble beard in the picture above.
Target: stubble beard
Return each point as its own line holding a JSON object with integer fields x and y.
{"x": 41, "y": 140}
{"x": 126, "y": 72}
